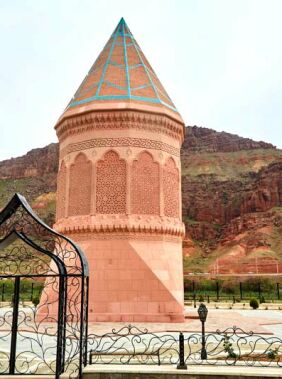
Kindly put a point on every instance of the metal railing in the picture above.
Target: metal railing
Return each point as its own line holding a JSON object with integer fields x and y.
{"x": 232, "y": 346}
{"x": 209, "y": 291}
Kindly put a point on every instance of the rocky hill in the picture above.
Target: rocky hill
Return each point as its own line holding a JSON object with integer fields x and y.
{"x": 33, "y": 175}
{"x": 232, "y": 198}
{"x": 206, "y": 140}
{"x": 36, "y": 163}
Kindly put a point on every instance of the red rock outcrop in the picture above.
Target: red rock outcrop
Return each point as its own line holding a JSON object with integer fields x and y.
{"x": 230, "y": 189}
{"x": 203, "y": 139}
{"x": 205, "y": 198}
{"x": 266, "y": 191}
{"x": 35, "y": 163}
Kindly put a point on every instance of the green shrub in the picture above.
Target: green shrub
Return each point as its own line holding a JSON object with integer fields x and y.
{"x": 272, "y": 353}
{"x": 254, "y": 303}
{"x": 228, "y": 348}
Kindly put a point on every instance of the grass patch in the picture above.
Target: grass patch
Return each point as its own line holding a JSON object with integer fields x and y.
{"x": 227, "y": 165}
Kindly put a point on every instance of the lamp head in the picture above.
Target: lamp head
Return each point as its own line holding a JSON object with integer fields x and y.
{"x": 202, "y": 312}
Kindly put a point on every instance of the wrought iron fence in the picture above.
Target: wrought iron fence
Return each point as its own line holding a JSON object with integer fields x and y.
{"x": 213, "y": 290}
{"x": 232, "y": 346}
{"x": 131, "y": 345}
{"x": 46, "y": 333}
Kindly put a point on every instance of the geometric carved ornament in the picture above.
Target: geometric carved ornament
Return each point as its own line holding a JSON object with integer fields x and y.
{"x": 80, "y": 186}
{"x": 171, "y": 189}
{"x": 145, "y": 185}
{"x": 111, "y": 184}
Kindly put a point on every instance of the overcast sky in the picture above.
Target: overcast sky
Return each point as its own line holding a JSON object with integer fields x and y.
{"x": 219, "y": 60}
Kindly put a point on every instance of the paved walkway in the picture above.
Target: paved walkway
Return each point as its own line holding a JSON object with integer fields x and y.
{"x": 259, "y": 321}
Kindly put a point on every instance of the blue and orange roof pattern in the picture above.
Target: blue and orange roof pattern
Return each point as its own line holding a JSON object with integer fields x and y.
{"x": 122, "y": 73}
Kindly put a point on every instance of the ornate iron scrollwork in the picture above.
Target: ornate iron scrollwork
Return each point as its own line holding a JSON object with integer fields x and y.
{"x": 48, "y": 336}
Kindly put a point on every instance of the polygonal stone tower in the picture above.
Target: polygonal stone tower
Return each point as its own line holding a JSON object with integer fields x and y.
{"x": 119, "y": 186}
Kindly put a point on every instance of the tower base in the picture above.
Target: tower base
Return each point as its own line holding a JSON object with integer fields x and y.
{"x": 134, "y": 278}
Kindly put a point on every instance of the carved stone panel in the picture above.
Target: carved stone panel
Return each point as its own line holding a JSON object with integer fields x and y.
{"x": 111, "y": 184}
{"x": 80, "y": 186}
{"x": 145, "y": 185}
{"x": 171, "y": 189}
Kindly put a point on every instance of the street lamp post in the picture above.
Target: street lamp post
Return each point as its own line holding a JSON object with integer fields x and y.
{"x": 203, "y": 312}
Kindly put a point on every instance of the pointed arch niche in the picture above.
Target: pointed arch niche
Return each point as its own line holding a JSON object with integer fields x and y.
{"x": 145, "y": 185}
{"x": 111, "y": 184}
{"x": 171, "y": 189}
{"x": 80, "y": 186}
{"x": 61, "y": 191}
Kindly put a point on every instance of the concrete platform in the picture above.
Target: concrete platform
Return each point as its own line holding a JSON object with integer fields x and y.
{"x": 170, "y": 372}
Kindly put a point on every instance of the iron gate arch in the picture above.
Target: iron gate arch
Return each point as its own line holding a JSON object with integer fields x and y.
{"x": 45, "y": 331}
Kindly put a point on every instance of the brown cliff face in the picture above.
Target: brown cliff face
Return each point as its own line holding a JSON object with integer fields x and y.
{"x": 200, "y": 139}
{"x": 34, "y": 175}
{"x": 205, "y": 198}
{"x": 230, "y": 187}
{"x": 266, "y": 191}
{"x": 35, "y": 163}
{"x": 231, "y": 195}
{"x": 217, "y": 186}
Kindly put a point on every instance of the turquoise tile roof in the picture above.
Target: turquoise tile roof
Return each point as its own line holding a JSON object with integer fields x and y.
{"x": 122, "y": 72}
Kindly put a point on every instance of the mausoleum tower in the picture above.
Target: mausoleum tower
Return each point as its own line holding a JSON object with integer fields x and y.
{"x": 119, "y": 186}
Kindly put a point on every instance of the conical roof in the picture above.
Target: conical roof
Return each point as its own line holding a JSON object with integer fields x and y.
{"x": 122, "y": 77}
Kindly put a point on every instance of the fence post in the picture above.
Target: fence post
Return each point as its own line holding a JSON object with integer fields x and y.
{"x": 31, "y": 295}
{"x": 259, "y": 291}
{"x": 194, "y": 299}
{"x": 14, "y": 331}
{"x": 241, "y": 291}
{"x": 278, "y": 293}
{"x": 3, "y": 291}
{"x": 181, "y": 365}
{"x": 217, "y": 291}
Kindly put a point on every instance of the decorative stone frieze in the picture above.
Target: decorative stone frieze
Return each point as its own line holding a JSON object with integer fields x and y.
{"x": 122, "y": 224}
{"x": 121, "y": 120}
{"x": 144, "y": 143}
